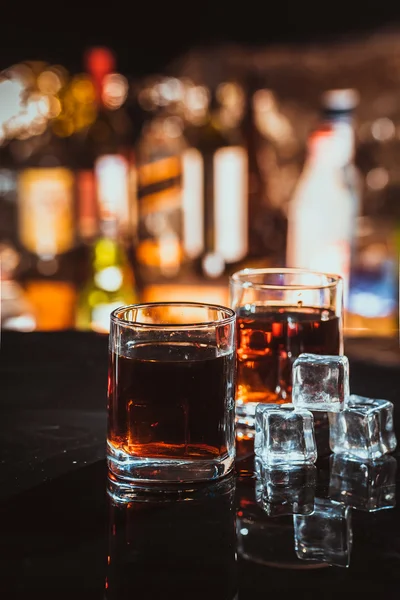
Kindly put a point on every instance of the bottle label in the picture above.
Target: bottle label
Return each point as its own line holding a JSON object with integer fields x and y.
{"x": 158, "y": 171}
{"x": 46, "y": 224}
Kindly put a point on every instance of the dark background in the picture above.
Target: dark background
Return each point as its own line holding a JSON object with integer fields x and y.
{"x": 147, "y": 35}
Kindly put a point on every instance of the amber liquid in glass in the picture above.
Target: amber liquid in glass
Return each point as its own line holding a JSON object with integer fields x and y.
{"x": 270, "y": 339}
{"x": 171, "y": 401}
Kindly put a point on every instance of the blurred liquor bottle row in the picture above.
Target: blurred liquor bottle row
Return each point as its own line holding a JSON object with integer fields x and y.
{"x": 60, "y": 216}
{"x": 109, "y": 214}
{"x": 105, "y": 204}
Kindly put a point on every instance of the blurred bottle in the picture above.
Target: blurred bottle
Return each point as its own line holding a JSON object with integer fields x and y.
{"x": 159, "y": 156}
{"x": 106, "y": 204}
{"x": 338, "y": 108}
{"x": 225, "y": 188}
{"x": 39, "y": 204}
{"x": 320, "y": 214}
{"x": 111, "y": 282}
{"x": 47, "y": 232}
{"x": 275, "y": 152}
{"x": 107, "y": 140}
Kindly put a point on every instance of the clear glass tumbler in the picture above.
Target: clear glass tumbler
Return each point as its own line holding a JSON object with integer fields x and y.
{"x": 281, "y": 313}
{"x": 171, "y": 392}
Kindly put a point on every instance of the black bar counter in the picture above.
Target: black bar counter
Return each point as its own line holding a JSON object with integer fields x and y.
{"x": 61, "y": 535}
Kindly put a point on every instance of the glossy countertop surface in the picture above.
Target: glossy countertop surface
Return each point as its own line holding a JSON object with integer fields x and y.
{"x": 63, "y": 536}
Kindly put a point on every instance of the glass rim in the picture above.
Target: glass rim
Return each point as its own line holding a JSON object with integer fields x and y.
{"x": 115, "y": 315}
{"x": 239, "y": 278}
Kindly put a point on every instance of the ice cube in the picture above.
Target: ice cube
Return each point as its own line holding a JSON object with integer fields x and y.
{"x": 286, "y": 490}
{"x": 284, "y": 435}
{"x": 364, "y": 429}
{"x": 325, "y": 535}
{"x": 320, "y": 382}
{"x": 363, "y": 485}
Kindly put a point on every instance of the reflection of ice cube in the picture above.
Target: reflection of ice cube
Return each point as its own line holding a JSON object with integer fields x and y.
{"x": 284, "y": 435}
{"x": 266, "y": 541}
{"x": 286, "y": 490}
{"x": 364, "y": 429}
{"x": 320, "y": 382}
{"x": 325, "y": 535}
{"x": 363, "y": 485}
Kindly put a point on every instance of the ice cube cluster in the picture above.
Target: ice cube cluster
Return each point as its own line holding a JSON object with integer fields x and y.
{"x": 362, "y": 475}
{"x": 358, "y": 427}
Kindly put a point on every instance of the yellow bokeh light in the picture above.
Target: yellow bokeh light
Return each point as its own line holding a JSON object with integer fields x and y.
{"x": 54, "y": 107}
{"x": 82, "y": 89}
{"x": 49, "y": 82}
{"x": 61, "y": 73}
{"x": 230, "y": 94}
{"x": 145, "y": 99}
{"x": 115, "y": 90}
{"x": 63, "y": 127}
{"x": 28, "y": 98}
{"x": 84, "y": 117}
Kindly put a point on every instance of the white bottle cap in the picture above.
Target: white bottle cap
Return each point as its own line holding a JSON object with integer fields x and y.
{"x": 341, "y": 100}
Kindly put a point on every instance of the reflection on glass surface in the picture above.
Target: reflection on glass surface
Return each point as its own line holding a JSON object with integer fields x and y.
{"x": 325, "y": 535}
{"x": 173, "y": 549}
{"x": 286, "y": 490}
{"x": 363, "y": 485}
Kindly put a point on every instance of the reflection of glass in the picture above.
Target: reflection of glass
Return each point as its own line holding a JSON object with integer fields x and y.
{"x": 171, "y": 392}
{"x": 363, "y": 485}
{"x": 280, "y": 314}
{"x": 180, "y": 550}
{"x": 286, "y": 490}
{"x": 325, "y": 535}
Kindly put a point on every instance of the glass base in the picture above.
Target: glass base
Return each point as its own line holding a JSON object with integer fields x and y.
{"x": 135, "y": 470}
{"x": 121, "y": 492}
